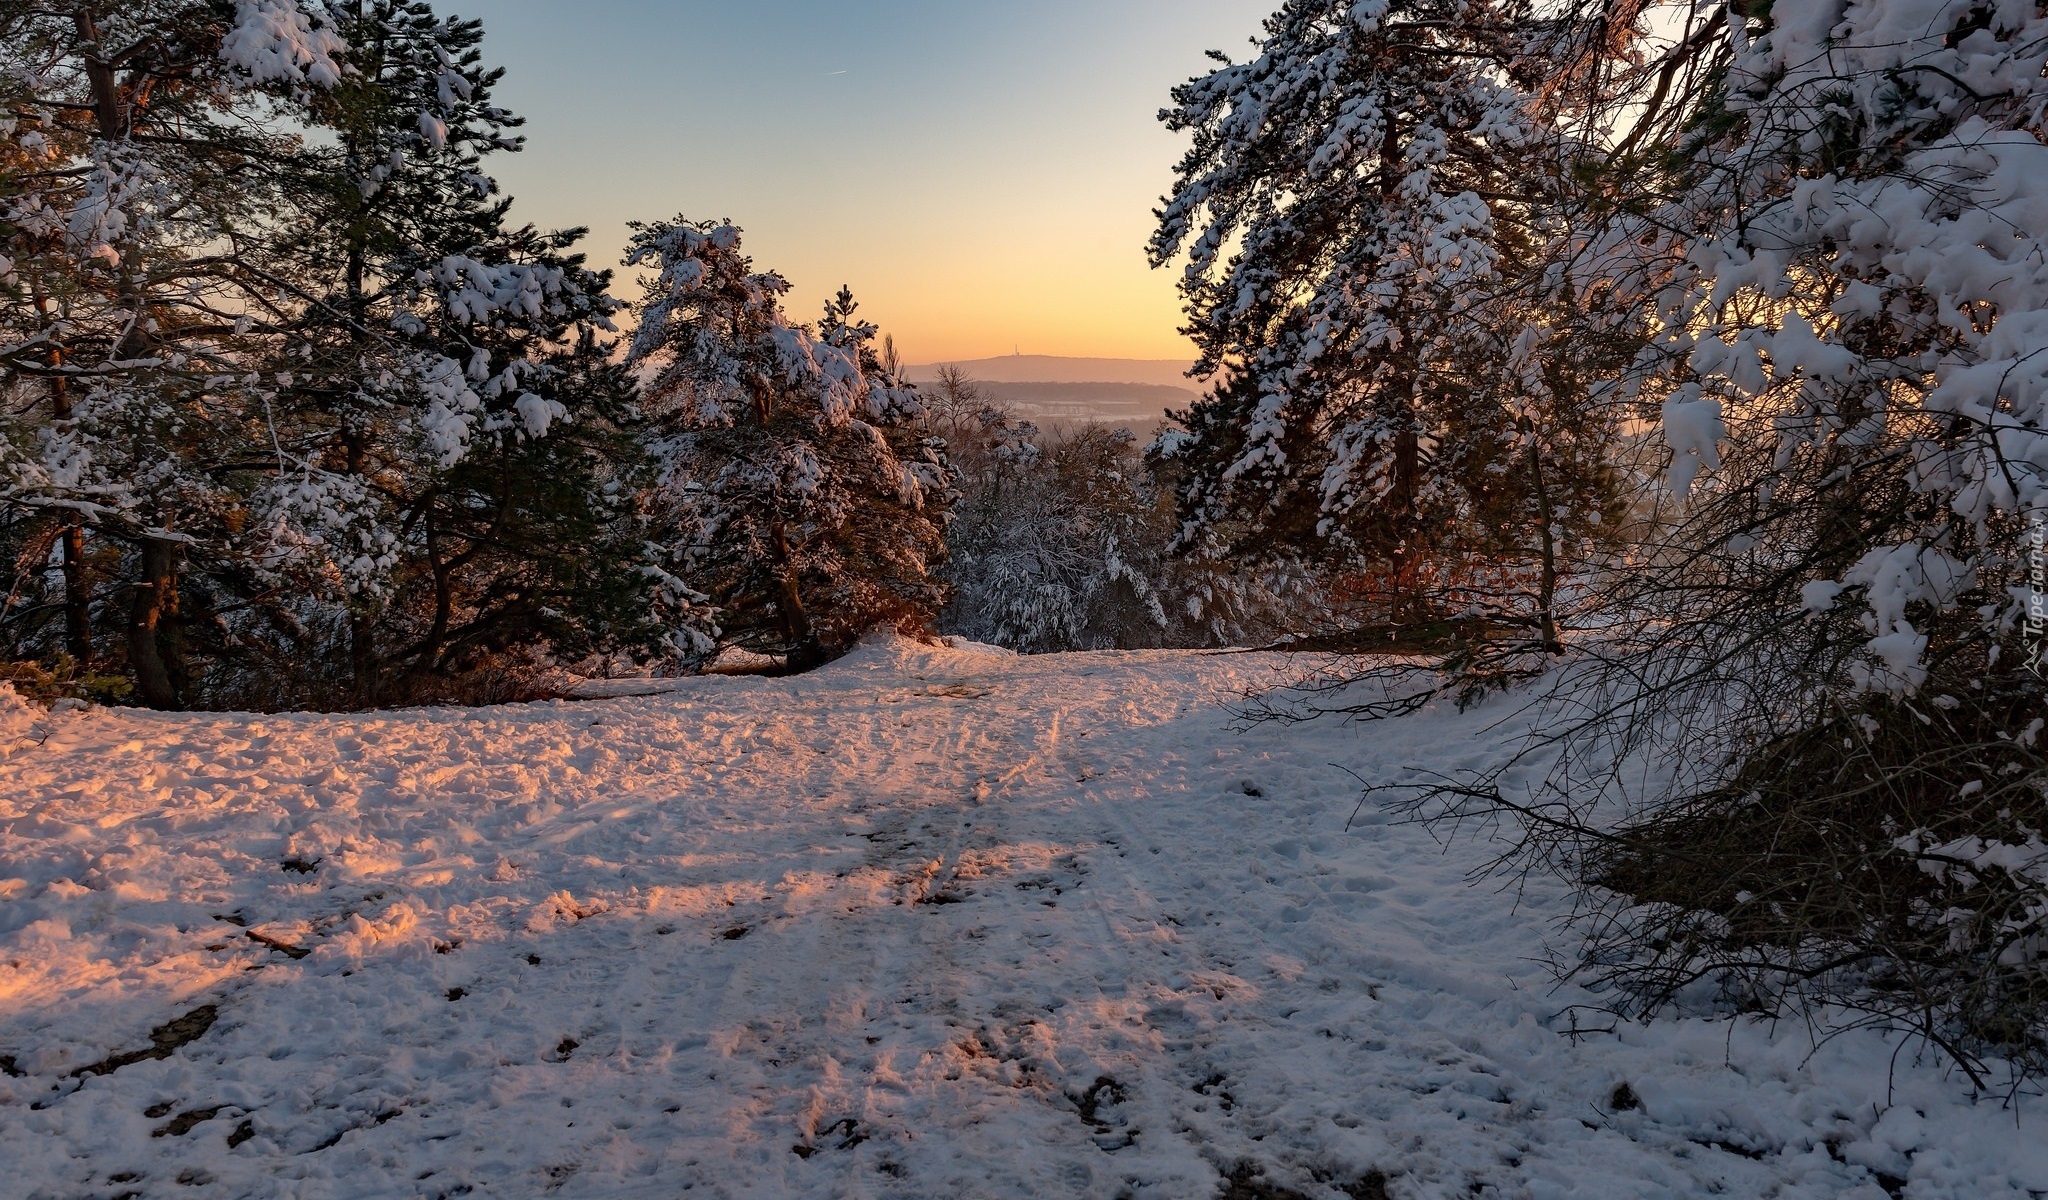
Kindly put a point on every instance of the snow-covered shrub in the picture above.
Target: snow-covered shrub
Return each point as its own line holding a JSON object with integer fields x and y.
{"x": 1889, "y": 855}
{"x": 1062, "y": 542}
{"x": 1853, "y": 267}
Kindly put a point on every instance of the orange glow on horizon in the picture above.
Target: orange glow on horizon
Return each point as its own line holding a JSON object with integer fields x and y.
{"x": 982, "y": 176}
{"x": 960, "y": 291}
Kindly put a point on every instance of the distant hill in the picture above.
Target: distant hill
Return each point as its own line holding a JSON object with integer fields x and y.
{"x": 1045, "y": 368}
{"x": 1139, "y": 405}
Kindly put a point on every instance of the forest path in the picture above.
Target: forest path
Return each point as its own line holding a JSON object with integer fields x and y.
{"x": 929, "y": 923}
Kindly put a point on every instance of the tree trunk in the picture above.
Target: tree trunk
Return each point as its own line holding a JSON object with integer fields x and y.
{"x": 1546, "y": 597}
{"x": 1409, "y": 607}
{"x": 77, "y": 597}
{"x": 362, "y": 658}
{"x": 109, "y": 114}
{"x": 77, "y": 587}
{"x": 444, "y": 598}
{"x": 154, "y": 611}
{"x": 805, "y": 652}
{"x": 113, "y": 114}
{"x": 365, "y": 669}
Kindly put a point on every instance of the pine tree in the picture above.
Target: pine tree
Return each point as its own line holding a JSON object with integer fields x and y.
{"x": 1814, "y": 247}
{"x": 345, "y": 430}
{"x": 1363, "y": 218}
{"x": 141, "y": 159}
{"x": 446, "y": 444}
{"x": 796, "y": 485}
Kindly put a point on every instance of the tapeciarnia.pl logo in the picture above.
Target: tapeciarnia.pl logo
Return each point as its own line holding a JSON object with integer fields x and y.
{"x": 2037, "y": 592}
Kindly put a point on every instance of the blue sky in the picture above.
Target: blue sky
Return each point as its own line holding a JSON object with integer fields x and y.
{"x": 982, "y": 174}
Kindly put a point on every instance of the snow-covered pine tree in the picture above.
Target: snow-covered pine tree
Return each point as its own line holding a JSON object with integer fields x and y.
{"x": 449, "y": 482}
{"x": 289, "y": 374}
{"x": 1028, "y": 561}
{"x": 797, "y": 486}
{"x": 1829, "y": 219}
{"x": 141, "y": 160}
{"x": 1854, "y": 323}
{"x": 1362, "y": 214}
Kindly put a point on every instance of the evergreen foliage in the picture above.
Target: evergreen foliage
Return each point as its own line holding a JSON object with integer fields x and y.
{"x": 1363, "y": 216}
{"x": 795, "y": 485}
{"x": 1747, "y": 301}
{"x": 298, "y": 417}
{"x": 132, "y": 188}
{"x": 445, "y": 449}
{"x": 1062, "y": 543}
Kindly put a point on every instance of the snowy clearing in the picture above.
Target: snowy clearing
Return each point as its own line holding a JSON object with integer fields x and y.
{"x": 929, "y": 923}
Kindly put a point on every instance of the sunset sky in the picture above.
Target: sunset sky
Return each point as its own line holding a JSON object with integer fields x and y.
{"x": 982, "y": 174}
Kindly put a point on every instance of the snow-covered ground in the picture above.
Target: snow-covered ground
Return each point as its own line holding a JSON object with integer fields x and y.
{"x": 930, "y": 923}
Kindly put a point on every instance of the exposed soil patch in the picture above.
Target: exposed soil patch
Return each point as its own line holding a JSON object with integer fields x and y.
{"x": 1728, "y": 1147}
{"x": 380, "y": 1119}
{"x": 1247, "y": 1183}
{"x": 847, "y": 1130}
{"x": 559, "y": 1176}
{"x": 1101, "y": 1094}
{"x": 165, "y": 1040}
{"x": 285, "y": 948}
{"x": 1213, "y": 1087}
{"x": 1413, "y": 637}
{"x": 240, "y": 922}
{"x": 186, "y": 1122}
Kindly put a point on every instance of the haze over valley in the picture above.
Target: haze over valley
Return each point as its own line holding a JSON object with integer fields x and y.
{"x": 1134, "y": 392}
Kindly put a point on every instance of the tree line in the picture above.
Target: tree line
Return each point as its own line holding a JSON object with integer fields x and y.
{"x": 296, "y": 415}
